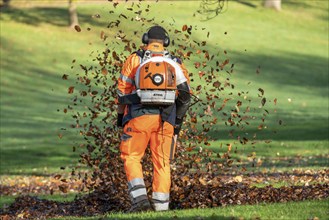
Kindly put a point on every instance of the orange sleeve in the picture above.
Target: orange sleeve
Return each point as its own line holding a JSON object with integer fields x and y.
{"x": 186, "y": 74}
{"x": 185, "y": 71}
{"x": 126, "y": 81}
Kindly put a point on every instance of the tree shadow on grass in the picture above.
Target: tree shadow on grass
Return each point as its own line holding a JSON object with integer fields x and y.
{"x": 286, "y": 68}
{"x": 307, "y": 75}
{"x": 290, "y": 133}
{"x": 303, "y": 4}
{"x": 51, "y": 15}
{"x": 247, "y": 3}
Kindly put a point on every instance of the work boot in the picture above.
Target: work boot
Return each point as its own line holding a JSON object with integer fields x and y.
{"x": 140, "y": 207}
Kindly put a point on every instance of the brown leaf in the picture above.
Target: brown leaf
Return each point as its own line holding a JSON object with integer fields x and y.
{"x": 216, "y": 84}
{"x": 122, "y": 15}
{"x": 229, "y": 147}
{"x": 71, "y": 89}
{"x": 63, "y": 188}
{"x": 263, "y": 101}
{"x": 115, "y": 55}
{"x": 93, "y": 93}
{"x": 225, "y": 62}
{"x": 77, "y": 28}
{"x": 102, "y": 35}
{"x": 201, "y": 73}
{"x": 65, "y": 77}
{"x": 104, "y": 71}
{"x": 58, "y": 176}
{"x": 203, "y": 181}
{"x": 258, "y": 70}
{"x": 238, "y": 179}
{"x": 261, "y": 90}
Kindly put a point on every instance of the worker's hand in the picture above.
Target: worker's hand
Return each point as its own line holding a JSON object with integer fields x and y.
{"x": 177, "y": 129}
{"x": 119, "y": 120}
{"x": 178, "y": 126}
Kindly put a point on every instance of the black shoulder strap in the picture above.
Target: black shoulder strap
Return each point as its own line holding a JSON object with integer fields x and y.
{"x": 176, "y": 59}
{"x": 140, "y": 53}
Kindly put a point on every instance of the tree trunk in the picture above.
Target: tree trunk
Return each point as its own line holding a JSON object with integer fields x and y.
{"x": 5, "y": 3}
{"x": 73, "y": 14}
{"x": 276, "y": 4}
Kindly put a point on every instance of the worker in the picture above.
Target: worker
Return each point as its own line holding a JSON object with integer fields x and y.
{"x": 153, "y": 98}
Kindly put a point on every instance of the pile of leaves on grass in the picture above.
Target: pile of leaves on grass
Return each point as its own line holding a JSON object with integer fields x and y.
{"x": 46, "y": 185}
{"x": 49, "y": 185}
{"x": 187, "y": 194}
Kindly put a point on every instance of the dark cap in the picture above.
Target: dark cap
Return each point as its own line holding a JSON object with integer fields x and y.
{"x": 157, "y": 32}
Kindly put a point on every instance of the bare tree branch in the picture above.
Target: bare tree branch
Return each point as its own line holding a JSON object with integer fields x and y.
{"x": 211, "y": 8}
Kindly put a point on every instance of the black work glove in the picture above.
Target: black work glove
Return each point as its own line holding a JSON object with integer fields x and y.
{"x": 178, "y": 126}
{"x": 119, "y": 120}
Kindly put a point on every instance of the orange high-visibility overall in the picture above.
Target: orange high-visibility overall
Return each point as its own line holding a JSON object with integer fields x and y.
{"x": 138, "y": 132}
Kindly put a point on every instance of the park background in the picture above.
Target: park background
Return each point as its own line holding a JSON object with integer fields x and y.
{"x": 283, "y": 52}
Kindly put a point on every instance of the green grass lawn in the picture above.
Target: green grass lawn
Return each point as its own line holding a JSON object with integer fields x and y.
{"x": 291, "y": 210}
{"x": 290, "y": 47}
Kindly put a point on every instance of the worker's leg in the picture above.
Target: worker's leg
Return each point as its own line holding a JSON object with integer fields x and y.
{"x": 162, "y": 146}
{"x": 134, "y": 141}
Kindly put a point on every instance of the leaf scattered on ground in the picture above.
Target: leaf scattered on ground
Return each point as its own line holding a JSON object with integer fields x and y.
{"x": 211, "y": 194}
{"x": 22, "y": 185}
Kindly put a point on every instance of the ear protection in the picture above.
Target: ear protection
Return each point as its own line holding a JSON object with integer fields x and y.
{"x": 166, "y": 40}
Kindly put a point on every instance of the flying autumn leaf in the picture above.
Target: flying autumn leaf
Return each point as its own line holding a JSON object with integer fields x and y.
{"x": 65, "y": 77}
{"x": 104, "y": 72}
{"x": 216, "y": 84}
{"x": 96, "y": 16}
{"x": 71, "y": 89}
{"x": 263, "y": 101}
{"x": 258, "y": 70}
{"x": 77, "y": 28}
{"x": 261, "y": 91}
{"x": 197, "y": 65}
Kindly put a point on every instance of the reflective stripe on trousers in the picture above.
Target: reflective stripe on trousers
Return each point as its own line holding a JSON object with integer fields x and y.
{"x": 160, "y": 201}
{"x": 137, "y": 190}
